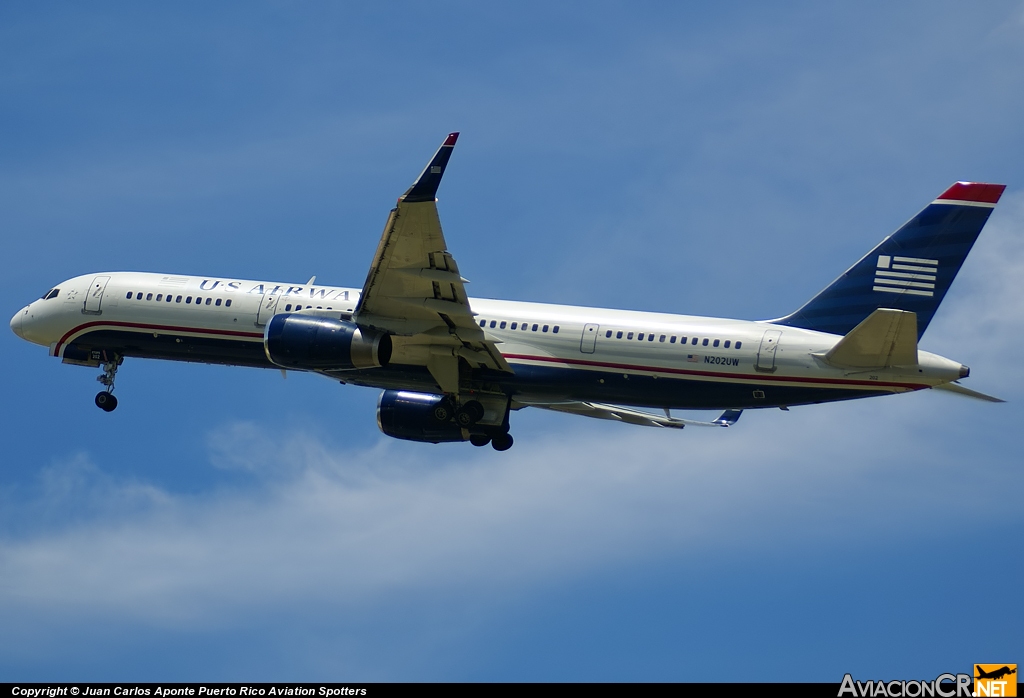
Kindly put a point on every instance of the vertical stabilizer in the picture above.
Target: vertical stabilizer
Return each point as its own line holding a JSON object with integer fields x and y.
{"x": 910, "y": 270}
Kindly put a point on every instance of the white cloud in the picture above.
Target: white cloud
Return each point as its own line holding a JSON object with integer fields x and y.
{"x": 351, "y": 528}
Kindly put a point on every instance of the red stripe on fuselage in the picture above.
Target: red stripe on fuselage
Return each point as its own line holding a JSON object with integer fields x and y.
{"x": 150, "y": 328}
{"x": 712, "y": 374}
{"x": 522, "y": 357}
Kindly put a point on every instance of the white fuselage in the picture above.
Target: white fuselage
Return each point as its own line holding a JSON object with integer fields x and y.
{"x": 636, "y": 358}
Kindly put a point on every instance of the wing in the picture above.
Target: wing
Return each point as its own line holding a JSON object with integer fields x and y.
{"x": 630, "y": 415}
{"x": 414, "y": 290}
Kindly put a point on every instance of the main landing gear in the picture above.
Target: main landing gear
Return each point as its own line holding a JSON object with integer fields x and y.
{"x": 466, "y": 415}
{"x": 105, "y": 399}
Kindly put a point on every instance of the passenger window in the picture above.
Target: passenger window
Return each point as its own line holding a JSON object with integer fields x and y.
{"x": 682, "y": 340}
{"x": 650, "y": 337}
{"x": 618, "y": 335}
{"x": 138, "y": 296}
{"x": 178, "y": 300}
{"x": 727, "y": 344}
{"x": 534, "y": 327}
{"x": 640, "y": 337}
{"x": 159, "y": 296}
{"x": 199, "y": 301}
{"x": 672, "y": 339}
{"x": 739, "y": 344}
{"x": 514, "y": 324}
{"x": 218, "y": 302}
{"x": 525, "y": 327}
{"x": 716, "y": 343}
{"x": 209, "y": 300}
{"x": 629, "y": 335}
{"x": 483, "y": 323}
{"x": 705, "y": 342}
{"x": 694, "y": 342}
{"x": 227, "y": 303}
{"x": 663, "y": 338}
{"x": 544, "y": 329}
{"x": 608, "y": 333}
{"x": 129, "y": 296}
{"x": 149, "y": 296}
{"x": 493, "y": 323}
{"x": 188, "y": 299}
{"x": 554, "y": 330}
{"x": 288, "y": 307}
{"x": 169, "y": 299}
{"x": 502, "y": 325}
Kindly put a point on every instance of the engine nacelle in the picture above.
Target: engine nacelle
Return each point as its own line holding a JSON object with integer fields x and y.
{"x": 417, "y": 417}
{"x": 293, "y": 340}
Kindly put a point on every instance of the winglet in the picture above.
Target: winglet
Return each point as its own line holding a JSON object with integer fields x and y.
{"x": 728, "y": 418}
{"x": 425, "y": 186}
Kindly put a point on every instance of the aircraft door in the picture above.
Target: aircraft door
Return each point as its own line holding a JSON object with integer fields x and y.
{"x": 589, "y": 341}
{"x": 94, "y": 299}
{"x": 268, "y": 306}
{"x": 766, "y": 352}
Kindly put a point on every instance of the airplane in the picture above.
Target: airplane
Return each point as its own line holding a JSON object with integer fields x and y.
{"x": 995, "y": 674}
{"x": 453, "y": 369}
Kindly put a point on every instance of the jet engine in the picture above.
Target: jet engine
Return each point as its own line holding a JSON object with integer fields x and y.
{"x": 311, "y": 342}
{"x": 417, "y": 417}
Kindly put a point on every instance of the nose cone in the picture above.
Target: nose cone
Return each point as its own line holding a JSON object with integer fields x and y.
{"x": 16, "y": 323}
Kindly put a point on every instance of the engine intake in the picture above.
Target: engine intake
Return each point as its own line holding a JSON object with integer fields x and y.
{"x": 417, "y": 417}
{"x": 310, "y": 342}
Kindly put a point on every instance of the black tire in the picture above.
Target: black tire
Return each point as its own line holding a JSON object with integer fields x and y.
{"x": 474, "y": 409}
{"x": 442, "y": 411}
{"x": 106, "y": 401}
{"x": 479, "y": 439}
{"x": 502, "y": 442}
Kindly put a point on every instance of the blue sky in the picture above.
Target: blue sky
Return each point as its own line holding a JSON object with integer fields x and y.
{"x": 729, "y": 160}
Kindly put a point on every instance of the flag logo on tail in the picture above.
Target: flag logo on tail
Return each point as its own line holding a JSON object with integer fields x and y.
{"x": 911, "y": 275}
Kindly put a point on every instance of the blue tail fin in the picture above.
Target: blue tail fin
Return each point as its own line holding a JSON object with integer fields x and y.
{"x": 910, "y": 270}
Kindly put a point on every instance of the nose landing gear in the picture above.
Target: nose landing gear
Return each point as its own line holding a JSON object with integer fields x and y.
{"x": 105, "y": 399}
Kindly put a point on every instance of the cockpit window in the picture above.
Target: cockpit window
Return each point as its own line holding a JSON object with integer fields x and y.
{"x": 52, "y": 293}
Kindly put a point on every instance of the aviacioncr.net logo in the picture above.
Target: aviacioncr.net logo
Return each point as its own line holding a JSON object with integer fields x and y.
{"x": 943, "y": 686}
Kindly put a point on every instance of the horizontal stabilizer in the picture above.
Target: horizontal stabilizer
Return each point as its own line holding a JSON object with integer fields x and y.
{"x": 885, "y": 338}
{"x": 966, "y": 392}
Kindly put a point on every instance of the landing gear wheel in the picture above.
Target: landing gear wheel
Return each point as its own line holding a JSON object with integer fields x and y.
{"x": 502, "y": 442}
{"x": 443, "y": 411}
{"x": 474, "y": 409}
{"x": 469, "y": 414}
{"x": 106, "y": 401}
{"x": 479, "y": 439}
